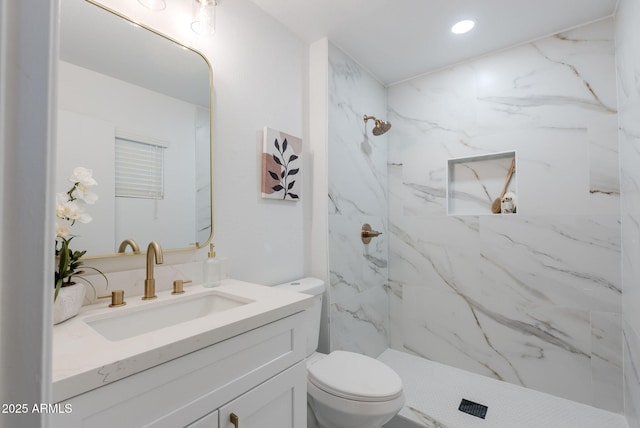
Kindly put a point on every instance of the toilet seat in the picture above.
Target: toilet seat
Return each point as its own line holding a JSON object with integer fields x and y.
{"x": 355, "y": 377}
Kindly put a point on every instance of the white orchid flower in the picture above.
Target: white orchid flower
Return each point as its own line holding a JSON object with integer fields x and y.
{"x": 67, "y": 210}
{"x": 89, "y": 197}
{"x": 70, "y": 208}
{"x": 62, "y": 231}
{"x": 82, "y": 193}
{"x": 76, "y": 213}
{"x": 61, "y": 200}
{"x": 83, "y": 176}
{"x": 84, "y": 218}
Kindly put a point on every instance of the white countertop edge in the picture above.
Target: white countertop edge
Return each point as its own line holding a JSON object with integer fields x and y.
{"x": 84, "y": 360}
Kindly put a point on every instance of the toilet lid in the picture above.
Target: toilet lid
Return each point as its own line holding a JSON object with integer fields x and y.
{"x": 355, "y": 377}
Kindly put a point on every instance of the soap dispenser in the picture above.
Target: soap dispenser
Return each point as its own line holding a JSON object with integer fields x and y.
{"x": 212, "y": 274}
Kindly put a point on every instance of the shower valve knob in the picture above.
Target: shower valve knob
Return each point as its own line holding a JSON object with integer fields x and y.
{"x": 367, "y": 233}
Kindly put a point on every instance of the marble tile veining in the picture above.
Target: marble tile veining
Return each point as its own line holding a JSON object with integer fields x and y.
{"x": 535, "y": 298}
{"x": 358, "y": 194}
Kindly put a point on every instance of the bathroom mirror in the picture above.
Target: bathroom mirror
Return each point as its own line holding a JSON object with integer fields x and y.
{"x": 135, "y": 107}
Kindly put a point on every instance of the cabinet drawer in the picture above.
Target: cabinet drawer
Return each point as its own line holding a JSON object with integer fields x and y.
{"x": 280, "y": 402}
{"x": 183, "y": 390}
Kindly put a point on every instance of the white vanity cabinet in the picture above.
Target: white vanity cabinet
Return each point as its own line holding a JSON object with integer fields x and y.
{"x": 258, "y": 376}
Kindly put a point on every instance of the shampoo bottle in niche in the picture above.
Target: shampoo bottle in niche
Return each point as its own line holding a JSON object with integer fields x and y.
{"x": 212, "y": 274}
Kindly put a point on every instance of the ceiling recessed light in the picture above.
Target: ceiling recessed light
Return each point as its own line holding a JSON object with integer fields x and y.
{"x": 463, "y": 26}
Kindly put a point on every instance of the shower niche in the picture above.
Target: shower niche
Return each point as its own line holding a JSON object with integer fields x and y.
{"x": 475, "y": 182}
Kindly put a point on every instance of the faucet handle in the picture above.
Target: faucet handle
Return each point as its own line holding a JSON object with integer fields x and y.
{"x": 178, "y": 285}
{"x": 117, "y": 298}
{"x": 131, "y": 243}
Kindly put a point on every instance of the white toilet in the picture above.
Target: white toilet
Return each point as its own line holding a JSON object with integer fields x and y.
{"x": 344, "y": 389}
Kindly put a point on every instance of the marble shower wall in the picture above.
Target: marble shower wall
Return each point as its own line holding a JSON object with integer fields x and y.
{"x": 532, "y": 298}
{"x": 628, "y": 70}
{"x": 358, "y": 302}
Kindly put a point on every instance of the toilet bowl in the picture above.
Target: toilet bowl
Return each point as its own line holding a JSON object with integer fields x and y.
{"x": 349, "y": 390}
{"x": 344, "y": 389}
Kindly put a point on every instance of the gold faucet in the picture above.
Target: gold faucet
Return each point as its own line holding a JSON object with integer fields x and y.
{"x": 130, "y": 242}
{"x": 153, "y": 250}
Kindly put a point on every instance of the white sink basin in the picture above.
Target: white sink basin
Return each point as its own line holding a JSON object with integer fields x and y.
{"x": 129, "y": 322}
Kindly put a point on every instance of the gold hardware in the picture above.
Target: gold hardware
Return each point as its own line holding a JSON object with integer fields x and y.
{"x": 234, "y": 420}
{"x": 131, "y": 243}
{"x": 150, "y": 283}
{"x": 367, "y": 233}
{"x": 117, "y": 298}
{"x": 379, "y": 128}
{"x": 178, "y": 286}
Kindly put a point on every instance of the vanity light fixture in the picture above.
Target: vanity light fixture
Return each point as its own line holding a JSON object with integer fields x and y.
{"x": 204, "y": 17}
{"x": 153, "y": 4}
{"x": 463, "y": 26}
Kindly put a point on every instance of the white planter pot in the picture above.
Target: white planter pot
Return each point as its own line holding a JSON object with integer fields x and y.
{"x": 68, "y": 303}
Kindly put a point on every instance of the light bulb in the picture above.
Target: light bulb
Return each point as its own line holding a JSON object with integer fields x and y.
{"x": 204, "y": 17}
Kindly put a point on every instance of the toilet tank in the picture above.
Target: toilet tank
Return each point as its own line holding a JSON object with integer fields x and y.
{"x": 314, "y": 287}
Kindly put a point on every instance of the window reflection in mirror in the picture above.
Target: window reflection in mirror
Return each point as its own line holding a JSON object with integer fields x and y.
{"x": 120, "y": 80}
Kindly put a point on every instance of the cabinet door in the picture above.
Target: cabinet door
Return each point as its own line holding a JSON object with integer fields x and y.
{"x": 280, "y": 402}
{"x": 208, "y": 421}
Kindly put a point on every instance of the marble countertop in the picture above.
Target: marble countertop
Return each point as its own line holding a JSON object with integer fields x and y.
{"x": 83, "y": 359}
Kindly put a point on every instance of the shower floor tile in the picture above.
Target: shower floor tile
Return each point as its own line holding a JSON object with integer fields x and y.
{"x": 434, "y": 391}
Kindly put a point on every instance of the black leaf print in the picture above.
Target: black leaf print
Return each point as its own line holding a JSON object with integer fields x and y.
{"x": 281, "y": 176}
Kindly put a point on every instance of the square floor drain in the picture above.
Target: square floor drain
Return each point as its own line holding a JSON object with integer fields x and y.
{"x": 474, "y": 409}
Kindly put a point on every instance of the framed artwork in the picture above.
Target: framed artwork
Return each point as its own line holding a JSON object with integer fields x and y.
{"x": 281, "y": 166}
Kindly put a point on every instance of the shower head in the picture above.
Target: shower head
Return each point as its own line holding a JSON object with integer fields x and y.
{"x": 380, "y": 127}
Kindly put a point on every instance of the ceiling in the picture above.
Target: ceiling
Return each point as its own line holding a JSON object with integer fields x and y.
{"x": 400, "y": 39}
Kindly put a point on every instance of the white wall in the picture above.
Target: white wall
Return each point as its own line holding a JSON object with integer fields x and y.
{"x": 532, "y": 298}
{"x": 258, "y": 71}
{"x": 628, "y": 70}
{"x": 315, "y": 217}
